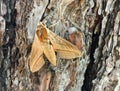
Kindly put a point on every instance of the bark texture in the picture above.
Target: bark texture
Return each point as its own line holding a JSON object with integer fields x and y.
{"x": 97, "y": 20}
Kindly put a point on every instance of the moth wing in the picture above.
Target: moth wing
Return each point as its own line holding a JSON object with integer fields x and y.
{"x": 36, "y": 56}
{"x": 50, "y": 54}
{"x": 48, "y": 49}
{"x": 64, "y": 48}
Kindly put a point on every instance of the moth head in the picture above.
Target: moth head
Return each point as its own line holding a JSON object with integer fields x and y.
{"x": 42, "y": 32}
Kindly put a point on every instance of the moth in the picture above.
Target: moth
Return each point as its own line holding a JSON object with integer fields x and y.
{"x": 46, "y": 42}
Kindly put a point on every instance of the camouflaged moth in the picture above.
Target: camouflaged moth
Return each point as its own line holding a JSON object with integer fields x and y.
{"x": 46, "y": 42}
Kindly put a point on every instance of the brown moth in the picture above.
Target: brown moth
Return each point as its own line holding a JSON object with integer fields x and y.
{"x": 46, "y": 42}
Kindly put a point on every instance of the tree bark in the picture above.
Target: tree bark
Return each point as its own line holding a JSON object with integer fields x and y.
{"x": 98, "y": 21}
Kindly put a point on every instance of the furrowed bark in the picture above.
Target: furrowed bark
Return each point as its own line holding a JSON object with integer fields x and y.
{"x": 97, "y": 20}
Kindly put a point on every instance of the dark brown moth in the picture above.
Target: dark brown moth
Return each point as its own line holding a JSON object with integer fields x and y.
{"x": 46, "y": 42}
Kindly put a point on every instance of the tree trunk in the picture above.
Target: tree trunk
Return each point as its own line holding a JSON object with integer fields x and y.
{"x": 98, "y": 21}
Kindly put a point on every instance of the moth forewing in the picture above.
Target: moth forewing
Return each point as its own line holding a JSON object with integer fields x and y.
{"x": 38, "y": 64}
{"x": 67, "y": 54}
{"x": 36, "y": 59}
{"x": 50, "y": 54}
{"x": 48, "y": 49}
{"x": 64, "y": 48}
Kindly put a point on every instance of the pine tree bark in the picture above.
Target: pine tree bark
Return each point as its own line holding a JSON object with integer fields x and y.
{"x": 98, "y": 68}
